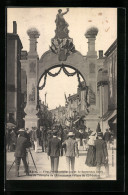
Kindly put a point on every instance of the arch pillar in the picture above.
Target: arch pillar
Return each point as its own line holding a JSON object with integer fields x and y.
{"x": 31, "y": 67}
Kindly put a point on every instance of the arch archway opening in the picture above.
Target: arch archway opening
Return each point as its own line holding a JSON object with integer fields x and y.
{"x": 57, "y": 84}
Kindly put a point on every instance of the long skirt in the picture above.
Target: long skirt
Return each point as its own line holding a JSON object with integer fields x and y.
{"x": 91, "y": 156}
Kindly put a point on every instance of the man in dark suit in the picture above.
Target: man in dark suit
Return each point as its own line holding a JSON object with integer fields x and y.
{"x": 101, "y": 154}
{"x": 107, "y": 137}
{"x": 43, "y": 138}
{"x": 54, "y": 151}
{"x": 20, "y": 153}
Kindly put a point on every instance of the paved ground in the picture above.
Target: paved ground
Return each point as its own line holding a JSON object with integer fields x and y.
{"x": 83, "y": 172}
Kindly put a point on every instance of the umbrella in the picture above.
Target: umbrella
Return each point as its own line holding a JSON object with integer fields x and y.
{"x": 10, "y": 125}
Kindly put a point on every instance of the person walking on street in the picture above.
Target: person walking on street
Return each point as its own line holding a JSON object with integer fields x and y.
{"x": 81, "y": 137}
{"x": 91, "y": 154}
{"x": 36, "y": 139}
{"x": 101, "y": 154}
{"x": 54, "y": 151}
{"x": 107, "y": 138}
{"x": 85, "y": 139}
{"x": 78, "y": 136}
{"x": 43, "y": 139}
{"x": 49, "y": 136}
{"x": 21, "y": 153}
{"x": 71, "y": 150}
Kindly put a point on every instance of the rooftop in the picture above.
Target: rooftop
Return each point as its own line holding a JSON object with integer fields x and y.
{"x": 14, "y": 35}
{"x": 111, "y": 48}
{"x": 73, "y": 97}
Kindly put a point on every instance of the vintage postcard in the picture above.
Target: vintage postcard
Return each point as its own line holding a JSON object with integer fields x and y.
{"x": 61, "y": 106}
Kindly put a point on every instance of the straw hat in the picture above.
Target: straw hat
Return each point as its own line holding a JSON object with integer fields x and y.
{"x": 71, "y": 134}
{"x": 21, "y": 130}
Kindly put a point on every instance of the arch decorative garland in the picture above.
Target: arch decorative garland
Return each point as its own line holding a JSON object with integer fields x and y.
{"x": 57, "y": 73}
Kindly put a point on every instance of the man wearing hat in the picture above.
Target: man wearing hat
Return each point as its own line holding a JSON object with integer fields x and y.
{"x": 107, "y": 137}
{"x": 101, "y": 154}
{"x": 27, "y": 134}
{"x": 43, "y": 138}
{"x": 12, "y": 140}
{"x": 54, "y": 151}
{"x": 20, "y": 153}
{"x": 71, "y": 150}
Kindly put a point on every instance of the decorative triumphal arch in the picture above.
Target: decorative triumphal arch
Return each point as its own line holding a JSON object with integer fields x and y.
{"x": 62, "y": 53}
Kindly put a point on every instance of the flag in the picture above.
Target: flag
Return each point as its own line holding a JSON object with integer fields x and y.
{"x": 65, "y": 97}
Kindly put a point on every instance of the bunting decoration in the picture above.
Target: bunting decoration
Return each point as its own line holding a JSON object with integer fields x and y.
{"x": 45, "y": 76}
{"x": 57, "y": 73}
{"x": 54, "y": 75}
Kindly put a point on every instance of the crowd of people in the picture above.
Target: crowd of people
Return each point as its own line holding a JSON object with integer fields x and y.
{"x": 57, "y": 142}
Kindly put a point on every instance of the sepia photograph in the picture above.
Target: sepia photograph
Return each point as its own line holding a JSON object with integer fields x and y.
{"x": 61, "y": 93}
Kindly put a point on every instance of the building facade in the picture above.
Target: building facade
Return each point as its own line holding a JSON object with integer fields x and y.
{"x": 13, "y": 82}
{"x": 58, "y": 115}
{"x": 107, "y": 89}
{"x": 101, "y": 105}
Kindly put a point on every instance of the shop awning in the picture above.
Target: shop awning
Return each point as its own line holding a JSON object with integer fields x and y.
{"x": 110, "y": 116}
{"x": 113, "y": 119}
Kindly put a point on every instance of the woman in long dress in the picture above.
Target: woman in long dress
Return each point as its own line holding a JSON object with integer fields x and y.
{"x": 91, "y": 154}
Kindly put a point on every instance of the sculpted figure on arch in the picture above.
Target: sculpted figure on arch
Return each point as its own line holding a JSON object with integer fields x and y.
{"x": 61, "y": 25}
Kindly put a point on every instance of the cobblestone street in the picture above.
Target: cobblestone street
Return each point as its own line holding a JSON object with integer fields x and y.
{"x": 83, "y": 172}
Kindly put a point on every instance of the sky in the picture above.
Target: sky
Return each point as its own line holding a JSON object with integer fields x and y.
{"x": 79, "y": 20}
